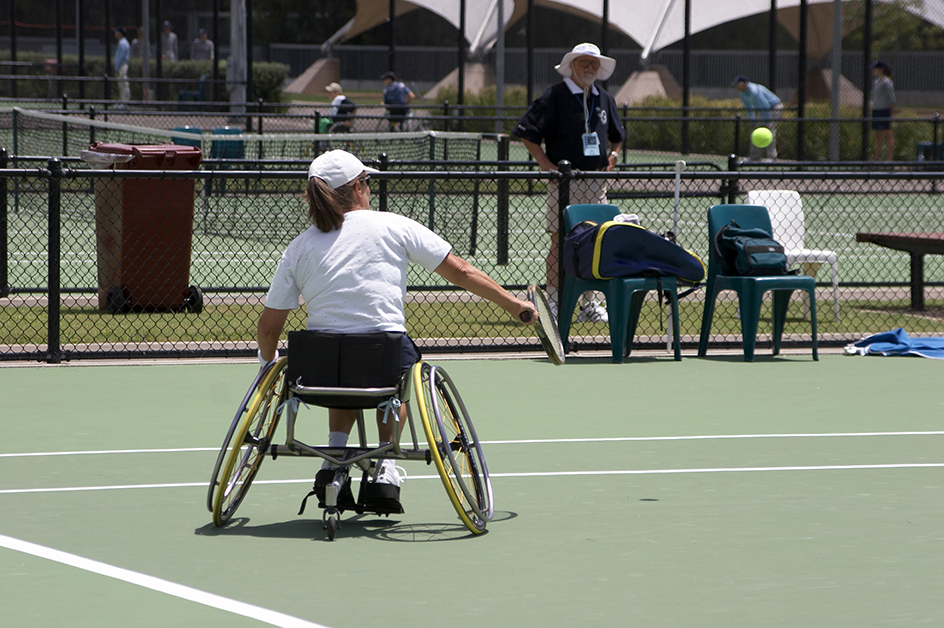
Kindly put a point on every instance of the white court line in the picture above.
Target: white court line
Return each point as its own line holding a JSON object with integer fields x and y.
{"x": 614, "y": 439}
{"x": 109, "y": 451}
{"x": 704, "y": 437}
{"x": 236, "y": 607}
{"x": 535, "y": 474}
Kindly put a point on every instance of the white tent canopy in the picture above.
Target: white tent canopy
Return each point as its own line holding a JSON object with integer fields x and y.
{"x": 654, "y": 24}
{"x": 480, "y": 25}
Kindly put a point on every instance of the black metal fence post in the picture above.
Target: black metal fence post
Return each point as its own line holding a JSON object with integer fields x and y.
{"x": 53, "y": 306}
{"x": 4, "y": 272}
{"x": 502, "y": 217}
{"x": 384, "y": 165}
{"x": 937, "y": 154}
{"x": 65, "y": 127}
{"x": 729, "y": 186}
{"x": 563, "y": 200}
{"x": 936, "y": 148}
{"x": 260, "y": 105}
{"x": 737, "y": 133}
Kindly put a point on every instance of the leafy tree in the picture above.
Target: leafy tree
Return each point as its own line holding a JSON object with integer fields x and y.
{"x": 894, "y": 28}
{"x": 299, "y": 21}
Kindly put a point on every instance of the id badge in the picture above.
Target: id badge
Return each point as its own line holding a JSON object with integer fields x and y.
{"x": 591, "y": 144}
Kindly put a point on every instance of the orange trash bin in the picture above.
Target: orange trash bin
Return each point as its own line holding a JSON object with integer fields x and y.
{"x": 144, "y": 229}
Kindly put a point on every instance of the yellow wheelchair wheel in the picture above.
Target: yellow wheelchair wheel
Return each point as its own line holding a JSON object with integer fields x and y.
{"x": 454, "y": 446}
{"x": 247, "y": 442}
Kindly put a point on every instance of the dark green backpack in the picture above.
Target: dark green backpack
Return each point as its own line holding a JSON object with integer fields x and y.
{"x": 749, "y": 252}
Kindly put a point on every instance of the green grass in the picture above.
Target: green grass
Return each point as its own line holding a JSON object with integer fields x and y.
{"x": 273, "y": 219}
{"x": 439, "y": 319}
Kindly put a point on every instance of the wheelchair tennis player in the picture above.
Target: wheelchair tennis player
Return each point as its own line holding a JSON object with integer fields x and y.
{"x": 350, "y": 269}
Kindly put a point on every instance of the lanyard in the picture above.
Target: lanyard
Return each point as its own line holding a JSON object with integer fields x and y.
{"x": 587, "y": 111}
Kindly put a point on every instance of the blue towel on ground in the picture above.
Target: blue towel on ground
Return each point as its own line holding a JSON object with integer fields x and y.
{"x": 897, "y": 342}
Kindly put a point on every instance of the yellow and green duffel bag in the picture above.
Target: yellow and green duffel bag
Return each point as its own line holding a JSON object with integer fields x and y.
{"x": 624, "y": 249}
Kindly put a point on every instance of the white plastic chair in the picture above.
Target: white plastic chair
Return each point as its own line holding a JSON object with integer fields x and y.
{"x": 786, "y": 218}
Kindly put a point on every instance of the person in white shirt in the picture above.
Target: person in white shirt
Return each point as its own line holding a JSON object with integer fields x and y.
{"x": 350, "y": 269}
{"x": 337, "y": 97}
{"x": 169, "y": 43}
{"x": 202, "y": 48}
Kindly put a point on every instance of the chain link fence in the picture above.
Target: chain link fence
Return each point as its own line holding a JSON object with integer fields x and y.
{"x": 190, "y": 280}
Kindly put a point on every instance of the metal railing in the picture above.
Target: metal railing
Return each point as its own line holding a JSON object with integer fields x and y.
{"x": 55, "y": 285}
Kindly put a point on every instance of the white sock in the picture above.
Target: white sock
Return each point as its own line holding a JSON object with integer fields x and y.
{"x": 335, "y": 439}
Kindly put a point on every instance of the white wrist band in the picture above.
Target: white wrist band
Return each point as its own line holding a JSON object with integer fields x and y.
{"x": 263, "y": 362}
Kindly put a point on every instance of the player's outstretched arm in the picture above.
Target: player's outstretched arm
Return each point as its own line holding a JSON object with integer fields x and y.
{"x": 456, "y": 270}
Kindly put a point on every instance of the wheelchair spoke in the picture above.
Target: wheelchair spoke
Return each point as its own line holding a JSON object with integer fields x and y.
{"x": 248, "y": 443}
{"x": 457, "y": 453}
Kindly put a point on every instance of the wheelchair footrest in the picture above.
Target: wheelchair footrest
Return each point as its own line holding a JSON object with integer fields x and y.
{"x": 324, "y": 477}
{"x": 381, "y": 499}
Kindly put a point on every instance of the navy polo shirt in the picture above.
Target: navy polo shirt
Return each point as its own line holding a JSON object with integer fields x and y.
{"x": 557, "y": 119}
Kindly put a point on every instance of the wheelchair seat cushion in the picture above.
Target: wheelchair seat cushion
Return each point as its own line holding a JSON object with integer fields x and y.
{"x": 331, "y": 360}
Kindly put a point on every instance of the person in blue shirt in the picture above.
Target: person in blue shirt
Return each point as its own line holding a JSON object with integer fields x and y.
{"x": 396, "y": 96}
{"x": 122, "y": 56}
{"x": 765, "y": 109}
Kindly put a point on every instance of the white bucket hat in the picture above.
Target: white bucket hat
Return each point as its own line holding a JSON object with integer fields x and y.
{"x": 337, "y": 168}
{"x": 607, "y": 64}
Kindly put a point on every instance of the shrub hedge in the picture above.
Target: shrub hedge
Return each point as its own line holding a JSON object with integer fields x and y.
{"x": 267, "y": 78}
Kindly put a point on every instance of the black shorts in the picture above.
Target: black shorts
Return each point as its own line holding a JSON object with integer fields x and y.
{"x": 411, "y": 354}
{"x": 881, "y": 119}
{"x": 397, "y": 113}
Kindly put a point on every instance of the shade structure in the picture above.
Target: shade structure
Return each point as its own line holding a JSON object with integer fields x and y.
{"x": 653, "y": 24}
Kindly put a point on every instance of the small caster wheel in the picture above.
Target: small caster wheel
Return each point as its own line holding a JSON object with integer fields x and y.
{"x": 331, "y": 525}
{"x": 194, "y": 300}
{"x": 116, "y": 302}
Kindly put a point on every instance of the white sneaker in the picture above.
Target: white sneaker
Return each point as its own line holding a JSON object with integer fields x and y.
{"x": 592, "y": 312}
{"x": 389, "y": 473}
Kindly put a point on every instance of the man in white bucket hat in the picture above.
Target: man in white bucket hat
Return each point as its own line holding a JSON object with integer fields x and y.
{"x": 578, "y": 122}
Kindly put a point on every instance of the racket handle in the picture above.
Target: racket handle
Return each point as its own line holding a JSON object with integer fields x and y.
{"x": 525, "y": 316}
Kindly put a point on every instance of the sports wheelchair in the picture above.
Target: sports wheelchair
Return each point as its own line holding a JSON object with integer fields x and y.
{"x": 360, "y": 372}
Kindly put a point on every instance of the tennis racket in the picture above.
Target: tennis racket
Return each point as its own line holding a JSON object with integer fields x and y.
{"x": 546, "y": 328}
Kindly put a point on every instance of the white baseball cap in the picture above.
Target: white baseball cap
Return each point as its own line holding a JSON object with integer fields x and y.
{"x": 337, "y": 168}
{"x": 607, "y": 64}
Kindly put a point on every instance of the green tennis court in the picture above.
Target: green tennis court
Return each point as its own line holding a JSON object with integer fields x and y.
{"x": 708, "y": 492}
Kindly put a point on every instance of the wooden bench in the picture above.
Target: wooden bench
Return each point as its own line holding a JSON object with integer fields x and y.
{"x": 916, "y": 244}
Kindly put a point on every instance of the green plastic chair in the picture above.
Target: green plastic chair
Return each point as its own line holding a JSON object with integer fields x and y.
{"x": 193, "y": 95}
{"x": 750, "y": 290}
{"x": 624, "y": 295}
{"x": 195, "y": 142}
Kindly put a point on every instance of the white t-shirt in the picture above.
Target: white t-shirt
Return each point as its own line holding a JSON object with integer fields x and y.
{"x": 353, "y": 279}
{"x": 333, "y": 111}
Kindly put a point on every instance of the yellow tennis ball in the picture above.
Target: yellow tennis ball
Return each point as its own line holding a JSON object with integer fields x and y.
{"x": 762, "y": 137}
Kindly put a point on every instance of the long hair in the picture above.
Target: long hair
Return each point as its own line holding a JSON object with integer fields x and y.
{"x": 326, "y": 206}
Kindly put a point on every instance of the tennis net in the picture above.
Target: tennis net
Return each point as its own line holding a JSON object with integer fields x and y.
{"x": 38, "y": 133}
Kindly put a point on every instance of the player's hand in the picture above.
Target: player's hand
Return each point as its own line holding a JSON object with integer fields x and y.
{"x": 611, "y": 162}
{"x": 263, "y": 364}
{"x": 527, "y": 313}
